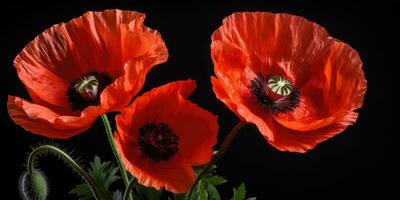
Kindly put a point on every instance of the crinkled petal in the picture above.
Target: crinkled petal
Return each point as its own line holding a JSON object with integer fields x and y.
{"x": 174, "y": 175}
{"x": 339, "y": 87}
{"x": 327, "y": 72}
{"x": 222, "y": 95}
{"x": 43, "y": 121}
{"x": 301, "y": 141}
{"x": 195, "y": 128}
{"x": 276, "y": 43}
{"x": 97, "y": 41}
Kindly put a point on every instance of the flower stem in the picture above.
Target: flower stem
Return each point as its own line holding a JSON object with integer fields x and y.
{"x": 128, "y": 189}
{"x": 56, "y": 151}
{"x": 109, "y": 132}
{"x": 224, "y": 146}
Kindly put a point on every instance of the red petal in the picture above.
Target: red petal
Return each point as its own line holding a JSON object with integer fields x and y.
{"x": 222, "y": 95}
{"x": 229, "y": 65}
{"x": 276, "y": 43}
{"x": 43, "y": 121}
{"x": 96, "y": 41}
{"x": 301, "y": 141}
{"x": 338, "y": 87}
{"x": 173, "y": 175}
{"x": 152, "y": 106}
{"x": 120, "y": 93}
{"x": 196, "y": 129}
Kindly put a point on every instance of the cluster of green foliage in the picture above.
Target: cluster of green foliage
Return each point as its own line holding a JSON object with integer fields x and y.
{"x": 105, "y": 173}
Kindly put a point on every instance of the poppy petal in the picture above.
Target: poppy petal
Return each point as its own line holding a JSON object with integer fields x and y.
{"x": 36, "y": 77}
{"x": 251, "y": 117}
{"x": 196, "y": 144}
{"x": 120, "y": 93}
{"x": 168, "y": 104}
{"x": 301, "y": 141}
{"x": 341, "y": 81}
{"x": 174, "y": 176}
{"x": 43, "y": 121}
{"x": 221, "y": 94}
{"x": 148, "y": 108}
{"x": 279, "y": 41}
{"x": 195, "y": 130}
{"x": 340, "y": 87}
{"x": 326, "y": 72}
{"x": 229, "y": 63}
{"x": 286, "y": 139}
{"x": 57, "y": 109}
{"x": 106, "y": 40}
{"x": 96, "y": 41}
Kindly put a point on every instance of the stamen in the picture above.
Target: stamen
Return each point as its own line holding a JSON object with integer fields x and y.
{"x": 157, "y": 141}
{"x": 85, "y": 91}
{"x": 279, "y": 85}
{"x": 87, "y": 87}
{"x": 277, "y": 94}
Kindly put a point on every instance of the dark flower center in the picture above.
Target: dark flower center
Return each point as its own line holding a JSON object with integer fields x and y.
{"x": 275, "y": 93}
{"x": 85, "y": 91}
{"x": 157, "y": 141}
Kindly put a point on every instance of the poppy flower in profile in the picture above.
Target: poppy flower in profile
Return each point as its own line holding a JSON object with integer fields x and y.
{"x": 78, "y": 70}
{"x": 162, "y": 135}
{"x": 287, "y": 76}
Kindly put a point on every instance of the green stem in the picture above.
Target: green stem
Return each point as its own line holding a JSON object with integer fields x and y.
{"x": 129, "y": 189}
{"x": 109, "y": 132}
{"x": 56, "y": 151}
{"x": 224, "y": 146}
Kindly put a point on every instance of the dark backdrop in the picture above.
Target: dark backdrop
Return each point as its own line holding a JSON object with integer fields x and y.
{"x": 360, "y": 161}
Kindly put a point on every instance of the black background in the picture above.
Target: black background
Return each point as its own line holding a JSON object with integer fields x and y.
{"x": 361, "y": 161}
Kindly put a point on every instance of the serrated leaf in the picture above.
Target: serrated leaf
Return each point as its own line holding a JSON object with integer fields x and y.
{"x": 146, "y": 193}
{"x": 198, "y": 169}
{"x": 206, "y": 187}
{"x": 239, "y": 193}
{"x": 104, "y": 174}
{"x": 83, "y": 192}
{"x": 203, "y": 193}
{"x": 213, "y": 192}
{"x": 215, "y": 180}
{"x": 151, "y": 193}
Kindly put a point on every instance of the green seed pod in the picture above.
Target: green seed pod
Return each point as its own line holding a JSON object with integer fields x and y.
{"x": 33, "y": 186}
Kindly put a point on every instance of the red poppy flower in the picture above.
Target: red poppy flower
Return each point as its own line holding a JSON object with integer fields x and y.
{"x": 286, "y": 75}
{"x": 78, "y": 70}
{"x": 162, "y": 134}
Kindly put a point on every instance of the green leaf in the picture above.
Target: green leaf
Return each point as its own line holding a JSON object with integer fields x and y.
{"x": 146, "y": 193}
{"x": 213, "y": 192}
{"x": 151, "y": 193}
{"x": 104, "y": 174}
{"x": 215, "y": 180}
{"x": 203, "y": 193}
{"x": 82, "y": 191}
{"x": 197, "y": 169}
{"x": 206, "y": 188}
{"x": 179, "y": 196}
{"x": 239, "y": 193}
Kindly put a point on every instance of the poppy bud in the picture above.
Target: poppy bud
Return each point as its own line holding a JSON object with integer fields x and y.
{"x": 33, "y": 186}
